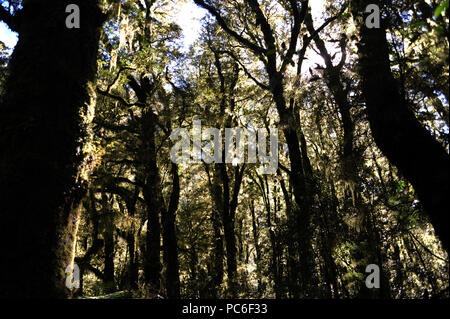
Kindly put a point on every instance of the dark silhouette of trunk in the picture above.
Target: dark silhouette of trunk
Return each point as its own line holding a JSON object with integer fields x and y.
{"x": 218, "y": 254}
{"x": 133, "y": 269}
{"x": 109, "y": 261}
{"x": 230, "y": 245}
{"x": 225, "y": 204}
{"x": 151, "y": 191}
{"x": 108, "y": 239}
{"x": 240, "y": 241}
{"x": 292, "y": 253}
{"x": 304, "y": 213}
{"x": 147, "y": 158}
{"x": 194, "y": 282}
{"x": 276, "y": 262}
{"x": 49, "y": 87}
{"x": 228, "y": 210}
{"x": 225, "y": 191}
{"x": 170, "y": 250}
{"x": 258, "y": 261}
{"x": 216, "y": 268}
{"x": 153, "y": 197}
{"x": 399, "y": 135}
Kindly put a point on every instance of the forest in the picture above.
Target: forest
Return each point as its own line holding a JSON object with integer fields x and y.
{"x": 287, "y": 149}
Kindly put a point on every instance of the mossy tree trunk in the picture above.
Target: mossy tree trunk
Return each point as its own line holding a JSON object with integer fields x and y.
{"x": 42, "y": 125}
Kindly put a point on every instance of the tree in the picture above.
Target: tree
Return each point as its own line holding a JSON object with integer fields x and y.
{"x": 45, "y": 113}
{"x": 405, "y": 142}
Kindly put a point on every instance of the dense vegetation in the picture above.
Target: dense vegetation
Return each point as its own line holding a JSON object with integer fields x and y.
{"x": 362, "y": 178}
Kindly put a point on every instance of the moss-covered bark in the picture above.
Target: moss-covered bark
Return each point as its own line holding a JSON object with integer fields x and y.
{"x": 47, "y": 95}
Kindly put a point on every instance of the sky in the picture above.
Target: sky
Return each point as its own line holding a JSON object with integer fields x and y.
{"x": 7, "y": 36}
{"x": 189, "y": 19}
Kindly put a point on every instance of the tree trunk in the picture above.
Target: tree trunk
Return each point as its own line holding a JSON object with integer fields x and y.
{"x": 109, "y": 261}
{"x": 151, "y": 191}
{"x": 47, "y": 93}
{"x": 220, "y": 192}
{"x": 217, "y": 275}
{"x": 231, "y": 252}
{"x": 258, "y": 261}
{"x": 147, "y": 158}
{"x": 399, "y": 135}
{"x": 133, "y": 270}
{"x": 170, "y": 249}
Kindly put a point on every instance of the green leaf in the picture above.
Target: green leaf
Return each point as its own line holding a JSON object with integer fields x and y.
{"x": 442, "y": 7}
{"x": 440, "y": 30}
{"x": 272, "y": 51}
{"x": 418, "y": 24}
{"x": 401, "y": 186}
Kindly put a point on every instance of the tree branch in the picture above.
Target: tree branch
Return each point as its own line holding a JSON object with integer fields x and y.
{"x": 284, "y": 168}
{"x": 118, "y": 98}
{"x": 299, "y": 17}
{"x": 108, "y": 89}
{"x": 426, "y": 248}
{"x": 265, "y": 28}
{"x": 245, "y": 42}
{"x": 232, "y": 55}
{"x": 307, "y": 40}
